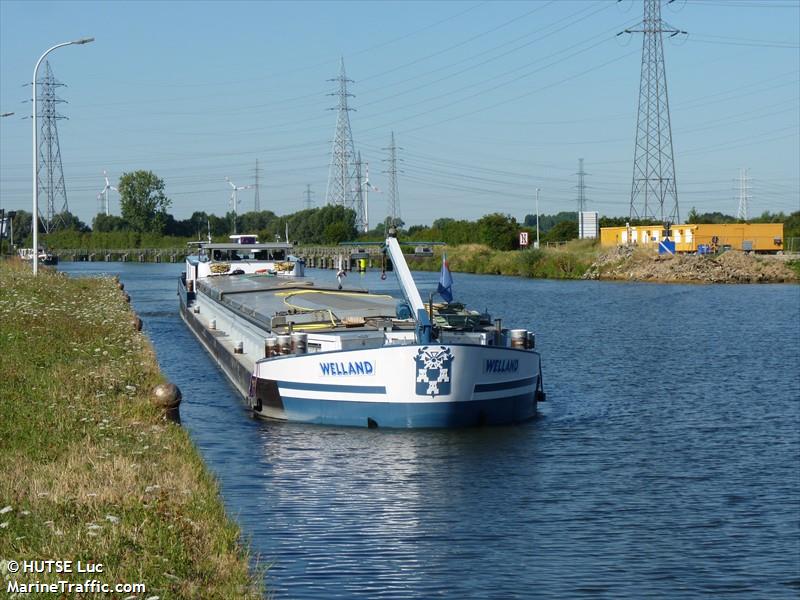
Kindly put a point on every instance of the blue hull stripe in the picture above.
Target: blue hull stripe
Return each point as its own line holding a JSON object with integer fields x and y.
{"x": 496, "y": 411}
{"x": 504, "y": 385}
{"x": 329, "y": 387}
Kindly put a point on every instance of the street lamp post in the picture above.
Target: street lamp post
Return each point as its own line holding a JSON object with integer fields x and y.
{"x": 35, "y": 215}
{"x": 537, "y": 218}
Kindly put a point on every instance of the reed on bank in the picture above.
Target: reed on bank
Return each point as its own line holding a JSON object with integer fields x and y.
{"x": 89, "y": 469}
{"x": 568, "y": 261}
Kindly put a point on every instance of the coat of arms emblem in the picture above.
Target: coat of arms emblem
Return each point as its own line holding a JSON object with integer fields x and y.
{"x": 434, "y": 370}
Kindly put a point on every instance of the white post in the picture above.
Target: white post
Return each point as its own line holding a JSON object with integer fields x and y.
{"x": 366, "y": 202}
{"x": 35, "y": 215}
{"x": 537, "y": 218}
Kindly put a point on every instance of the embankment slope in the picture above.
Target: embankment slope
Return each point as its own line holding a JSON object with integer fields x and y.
{"x": 89, "y": 469}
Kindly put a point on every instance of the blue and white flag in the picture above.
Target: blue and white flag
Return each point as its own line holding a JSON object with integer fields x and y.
{"x": 445, "y": 289}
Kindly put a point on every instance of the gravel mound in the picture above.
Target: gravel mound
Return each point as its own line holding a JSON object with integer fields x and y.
{"x": 637, "y": 264}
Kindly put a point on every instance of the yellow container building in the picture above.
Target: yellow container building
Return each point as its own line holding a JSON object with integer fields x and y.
{"x": 756, "y": 237}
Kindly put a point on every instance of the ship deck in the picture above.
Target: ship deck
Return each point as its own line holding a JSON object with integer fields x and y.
{"x": 275, "y": 301}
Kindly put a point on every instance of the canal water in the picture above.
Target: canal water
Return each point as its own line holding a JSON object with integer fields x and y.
{"x": 666, "y": 461}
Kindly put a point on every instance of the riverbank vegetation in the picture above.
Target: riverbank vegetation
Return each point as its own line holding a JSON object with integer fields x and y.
{"x": 585, "y": 259}
{"x": 89, "y": 469}
{"x": 567, "y": 261}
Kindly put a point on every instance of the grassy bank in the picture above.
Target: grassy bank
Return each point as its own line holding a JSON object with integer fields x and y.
{"x": 569, "y": 261}
{"x": 89, "y": 470}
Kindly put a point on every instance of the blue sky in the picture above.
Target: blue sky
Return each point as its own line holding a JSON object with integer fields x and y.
{"x": 488, "y": 101}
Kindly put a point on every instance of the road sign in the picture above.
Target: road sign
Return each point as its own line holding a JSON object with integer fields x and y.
{"x": 523, "y": 238}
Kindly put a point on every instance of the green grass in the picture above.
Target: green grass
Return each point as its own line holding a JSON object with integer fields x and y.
{"x": 569, "y": 261}
{"x": 794, "y": 265}
{"x": 90, "y": 470}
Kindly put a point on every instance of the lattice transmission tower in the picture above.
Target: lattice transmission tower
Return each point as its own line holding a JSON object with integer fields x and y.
{"x": 654, "y": 193}
{"x": 50, "y": 177}
{"x": 392, "y": 171}
{"x": 581, "y": 187}
{"x": 309, "y": 203}
{"x": 257, "y": 186}
{"x": 744, "y": 196}
{"x": 341, "y": 175}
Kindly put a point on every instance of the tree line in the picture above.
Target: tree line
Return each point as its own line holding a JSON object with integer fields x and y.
{"x": 146, "y": 223}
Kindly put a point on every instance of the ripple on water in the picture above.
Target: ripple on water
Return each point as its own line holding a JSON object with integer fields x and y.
{"x": 664, "y": 464}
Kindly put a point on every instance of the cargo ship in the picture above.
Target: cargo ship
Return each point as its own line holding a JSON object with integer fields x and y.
{"x": 299, "y": 349}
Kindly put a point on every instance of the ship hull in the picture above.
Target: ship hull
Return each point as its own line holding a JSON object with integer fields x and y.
{"x": 401, "y": 386}
{"x": 435, "y": 385}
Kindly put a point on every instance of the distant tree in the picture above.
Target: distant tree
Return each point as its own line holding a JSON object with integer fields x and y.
{"x": 453, "y": 232}
{"x": 613, "y": 221}
{"x": 69, "y": 222}
{"x": 143, "y": 202}
{"x": 178, "y": 228}
{"x": 251, "y": 222}
{"x": 398, "y": 223}
{"x": 219, "y": 225}
{"x": 768, "y": 217}
{"x": 498, "y": 231}
{"x": 336, "y": 232}
{"x": 623, "y": 221}
{"x": 199, "y": 224}
{"x": 712, "y": 217}
{"x": 103, "y": 223}
{"x": 22, "y": 227}
{"x": 547, "y": 222}
{"x": 791, "y": 226}
{"x": 441, "y": 223}
{"x": 563, "y": 232}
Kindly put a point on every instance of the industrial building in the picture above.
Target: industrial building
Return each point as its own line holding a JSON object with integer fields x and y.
{"x": 756, "y": 237}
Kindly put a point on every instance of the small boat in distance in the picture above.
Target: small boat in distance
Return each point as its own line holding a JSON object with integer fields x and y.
{"x": 45, "y": 257}
{"x": 306, "y": 350}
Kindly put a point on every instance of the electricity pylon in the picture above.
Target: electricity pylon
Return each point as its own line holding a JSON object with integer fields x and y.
{"x": 581, "y": 187}
{"x": 743, "y": 195}
{"x": 654, "y": 193}
{"x": 392, "y": 171}
{"x": 50, "y": 177}
{"x": 257, "y": 186}
{"x": 341, "y": 174}
{"x": 308, "y": 193}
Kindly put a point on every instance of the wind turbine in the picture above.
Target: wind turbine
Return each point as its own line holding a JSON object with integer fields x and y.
{"x": 104, "y": 195}
{"x": 235, "y": 189}
{"x": 367, "y": 186}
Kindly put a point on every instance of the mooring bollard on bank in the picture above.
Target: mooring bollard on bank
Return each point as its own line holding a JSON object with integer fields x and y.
{"x": 167, "y": 396}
